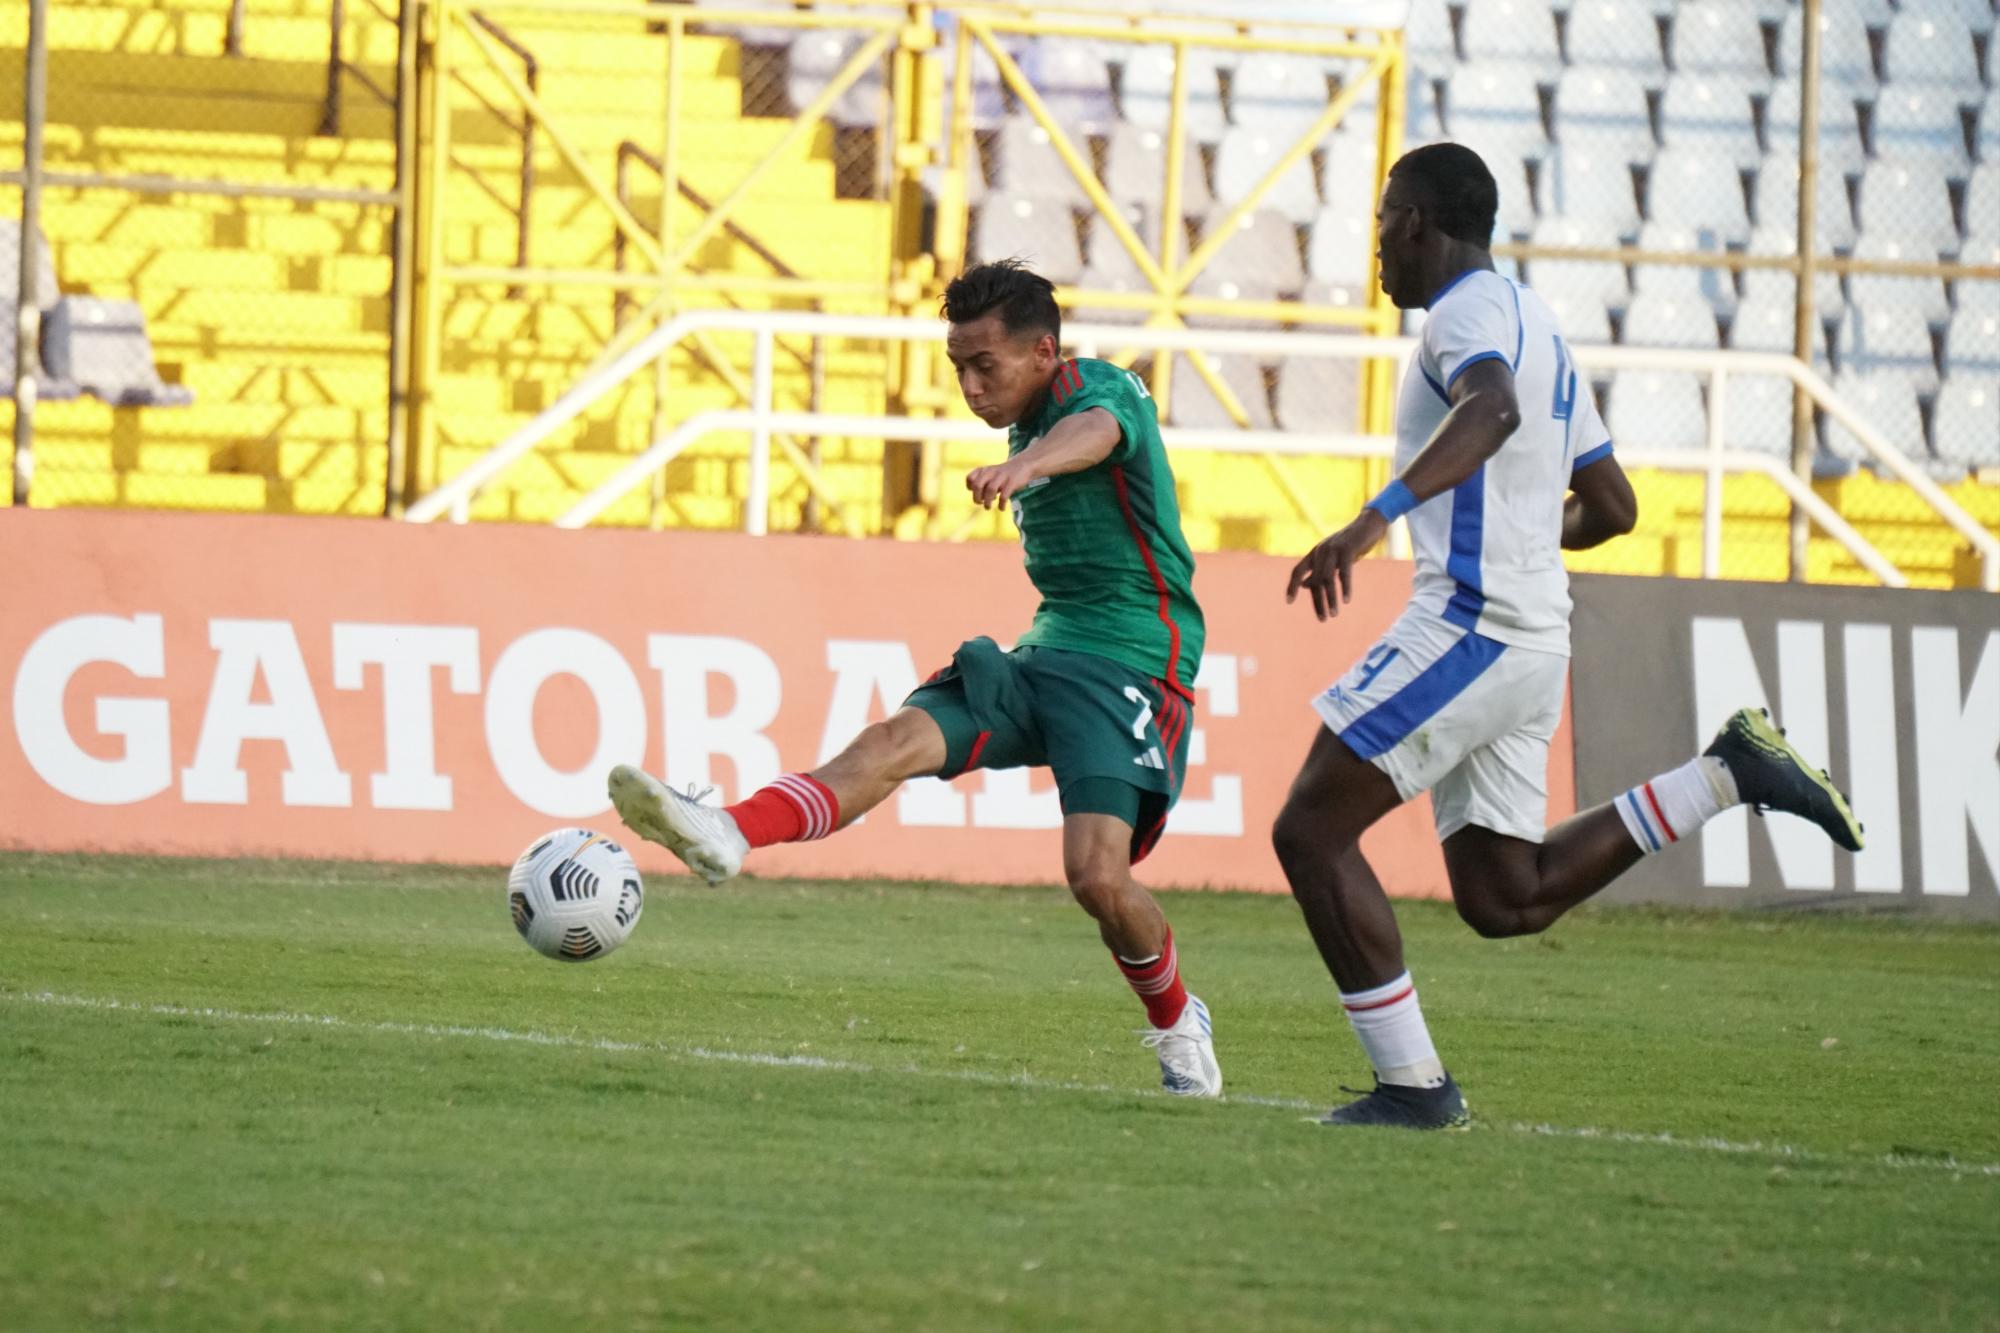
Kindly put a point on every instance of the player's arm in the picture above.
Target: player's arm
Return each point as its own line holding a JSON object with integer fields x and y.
{"x": 1079, "y": 441}
{"x": 1483, "y": 415}
{"x": 1600, "y": 504}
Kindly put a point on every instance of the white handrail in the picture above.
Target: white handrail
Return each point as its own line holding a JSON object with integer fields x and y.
{"x": 456, "y": 495}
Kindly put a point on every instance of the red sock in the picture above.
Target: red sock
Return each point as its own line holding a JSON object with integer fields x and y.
{"x": 1157, "y": 983}
{"x": 795, "y": 808}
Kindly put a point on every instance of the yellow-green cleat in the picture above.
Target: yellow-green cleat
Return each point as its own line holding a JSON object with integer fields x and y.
{"x": 1771, "y": 774}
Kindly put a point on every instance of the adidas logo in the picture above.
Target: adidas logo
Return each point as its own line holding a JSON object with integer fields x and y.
{"x": 1150, "y": 759}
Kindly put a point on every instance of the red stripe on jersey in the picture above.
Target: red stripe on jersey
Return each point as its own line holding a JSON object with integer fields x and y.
{"x": 1660, "y": 814}
{"x": 1397, "y": 998}
{"x": 1066, "y": 382}
{"x": 1159, "y": 582}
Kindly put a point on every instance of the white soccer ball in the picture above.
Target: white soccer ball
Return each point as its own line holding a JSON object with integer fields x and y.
{"x": 575, "y": 895}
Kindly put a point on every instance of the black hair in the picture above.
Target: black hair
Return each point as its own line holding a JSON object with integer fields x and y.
{"x": 1025, "y": 300}
{"x": 1453, "y": 188}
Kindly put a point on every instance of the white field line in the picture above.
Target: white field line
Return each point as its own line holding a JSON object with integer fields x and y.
{"x": 1782, "y": 1151}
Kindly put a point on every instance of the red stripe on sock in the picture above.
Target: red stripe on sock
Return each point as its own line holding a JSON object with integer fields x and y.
{"x": 795, "y": 808}
{"x": 1660, "y": 814}
{"x": 1158, "y": 984}
{"x": 1397, "y": 998}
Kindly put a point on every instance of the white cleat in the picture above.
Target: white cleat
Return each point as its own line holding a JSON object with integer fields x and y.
{"x": 705, "y": 838}
{"x": 1187, "y": 1053}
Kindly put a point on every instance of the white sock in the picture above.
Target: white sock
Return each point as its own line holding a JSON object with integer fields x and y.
{"x": 1660, "y": 813}
{"x": 1391, "y": 1027}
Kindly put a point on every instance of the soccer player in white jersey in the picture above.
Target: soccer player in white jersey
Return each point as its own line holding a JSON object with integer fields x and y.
{"x": 1502, "y": 461}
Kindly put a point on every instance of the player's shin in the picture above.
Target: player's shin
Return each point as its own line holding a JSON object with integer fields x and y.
{"x": 1390, "y": 1024}
{"x": 1661, "y": 812}
{"x": 1157, "y": 983}
{"x": 796, "y": 808}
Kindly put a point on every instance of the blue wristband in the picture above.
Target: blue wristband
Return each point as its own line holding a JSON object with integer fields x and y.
{"x": 1395, "y": 501}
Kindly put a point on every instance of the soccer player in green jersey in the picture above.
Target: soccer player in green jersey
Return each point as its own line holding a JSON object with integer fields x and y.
{"x": 1100, "y": 689}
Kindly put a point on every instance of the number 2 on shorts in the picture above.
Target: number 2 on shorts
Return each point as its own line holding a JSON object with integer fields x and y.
{"x": 1138, "y": 696}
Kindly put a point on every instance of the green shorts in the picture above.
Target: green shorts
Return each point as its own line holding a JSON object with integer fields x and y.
{"x": 1116, "y": 738}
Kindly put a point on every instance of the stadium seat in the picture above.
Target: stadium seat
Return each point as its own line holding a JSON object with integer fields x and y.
{"x": 1700, "y": 191}
{"x": 1225, "y": 288}
{"x": 1709, "y": 115}
{"x": 1982, "y": 205}
{"x": 1987, "y": 140}
{"x": 1421, "y": 122}
{"x": 1962, "y": 427}
{"x": 1885, "y": 401}
{"x": 1588, "y": 187}
{"x": 1265, "y": 250}
{"x": 1656, "y": 409}
{"x": 1135, "y": 170}
{"x": 1516, "y": 216}
{"x": 1777, "y": 202}
{"x": 1022, "y": 159}
{"x": 1920, "y": 125}
{"x": 101, "y": 346}
{"x": 1246, "y": 155}
{"x": 1599, "y": 280}
{"x": 1348, "y": 167}
{"x": 1757, "y": 414}
{"x": 1494, "y": 105}
{"x": 1934, "y": 49}
{"x": 1194, "y": 405}
{"x": 1509, "y": 30}
{"x": 1040, "y": 230}
{"x": 1146, "y": 90}
{"x": 1715, "y": 287}
{"x": 1667, "y": 321}
{"x": 815, "y": 56}
{"x": 1976, "y": 15}
{"x": 1972, "y": 340}
{"x": 1278, "y": 95}
{"x": 1908, "y": 201}
{"x": 1581, "y": 318}
{"x": 1317, "y": 393}
{"x": 1427, "y": 34}
{"x": 1761, "y": 284}
{"x": 1894, "y": 341}
{"x": 1338, "y": 252}
{"x": 1925, "y": 295}
{"x": 1766, "y": 322}
{"x": 1847, "y": 66}
{"x": 1617, "y": 36}
{"x": 1718, "y": 37}
{"x": 47, "y": 293}
{"x": 1603, "y": 112}
{"x": 1840, "y": 151}
{"x": 1074, "y": 84}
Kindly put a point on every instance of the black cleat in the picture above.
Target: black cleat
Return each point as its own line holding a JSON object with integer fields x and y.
{"x": 1394, "y": 1106}
{"x": 1771, "y": 775}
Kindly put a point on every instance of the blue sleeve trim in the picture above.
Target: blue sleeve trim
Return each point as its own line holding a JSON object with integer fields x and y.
{"x": 1584, "y": 460}
{"x": 1436, "y": 388}
{"x": 1468, "y": 364}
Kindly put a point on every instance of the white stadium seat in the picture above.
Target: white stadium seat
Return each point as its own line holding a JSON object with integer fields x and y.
{"x": 1339, "y": 252}
{"x": 1246, "y": 155}
{"x": 1194, "y": 404}
{"x": 1908, "y": 201}
{"x": 1766, "y": 323}
{"x": 1074, "y": 84}
{"x": 1982, "y": 205}
{"x": 1719, "y": 37}
{"x": 1845, "y": 61}
{"x": 1761, "y": 284}
{"x": 1924, "y": 295}
{"x": 1589, "y": 187}
{"x": 1933, "y": 48}
{"x": 1757, "y": 414}
{"x": 1427, "y": 33}
{"x": 1146, "y": 86}
{"x": 1972, "y": 342}
{"x": 1317, "y": 393}
{"x": 1884, "y": 401}
{"x": 1893, "y": 341}
{"x": 1700, "y": 191}
{"x": 1495, "y": 104}
{"x": 1039, "y": 230}
{"x": 1709, "y": 115}
{"x": 1988, "y": 139}
{"x": 1604, "y": 112}
{"x": 1516, "y": 215}
{"x": 1616, "y": 35}
{"x": 1582, "y": 318}
{"x": 1135, "y": 170}
{"x": 1666, "y": 321}
{"x": 815, "y": 57}
{"x": 1963, "y": 426}
{"x": 1920, "y": 125}
{"x": 1713, "y": 287}
{"x": 1224, "y": 288}
{"x": 1264, "y": 250}
{"x": 1976, "y": 15}
{"x": 1777, "y": 202}
{"x": 1840, "y": 151}
{"x": 1656, "y": 409}
{"x": 1519, "y": 30}
{"x": 1022, "y": 159}
{"x": 1599, "y": 280}
{"x": 1280, "y": 95}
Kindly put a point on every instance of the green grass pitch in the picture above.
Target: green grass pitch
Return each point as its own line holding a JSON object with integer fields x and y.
{"x": 280, "y": 1095}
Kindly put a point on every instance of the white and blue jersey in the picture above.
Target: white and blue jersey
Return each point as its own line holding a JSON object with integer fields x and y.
{"x": 1489, "y": 553}
{"x": 1463, "y": 694}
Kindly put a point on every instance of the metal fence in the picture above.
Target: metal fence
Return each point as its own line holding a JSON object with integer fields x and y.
{"x": 209, "y": 193}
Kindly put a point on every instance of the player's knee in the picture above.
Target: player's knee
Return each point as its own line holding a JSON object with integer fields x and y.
{"x": 1097, "y": 887}
{"x": 1495, "y": 919}
{"x": 893, "y": 747}
{"x": 1301, "y": 842}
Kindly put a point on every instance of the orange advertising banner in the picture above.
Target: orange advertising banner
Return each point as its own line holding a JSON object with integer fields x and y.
{"x": 228, "y": 685}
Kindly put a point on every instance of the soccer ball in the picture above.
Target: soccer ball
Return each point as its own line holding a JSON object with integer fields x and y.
{"x": 575, "y": 895}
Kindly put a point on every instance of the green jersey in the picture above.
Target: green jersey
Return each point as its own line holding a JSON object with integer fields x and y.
{"x": 1104, "y": 546}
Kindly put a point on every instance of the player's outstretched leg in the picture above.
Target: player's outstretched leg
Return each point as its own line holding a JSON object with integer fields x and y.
{"x": 1097, "y": 852}
{"x": 1317, "y": 837}
{"x": 798, "y": 807}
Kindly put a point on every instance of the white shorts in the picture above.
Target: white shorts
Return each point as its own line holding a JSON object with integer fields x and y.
{"x": 1454, "y": 713}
